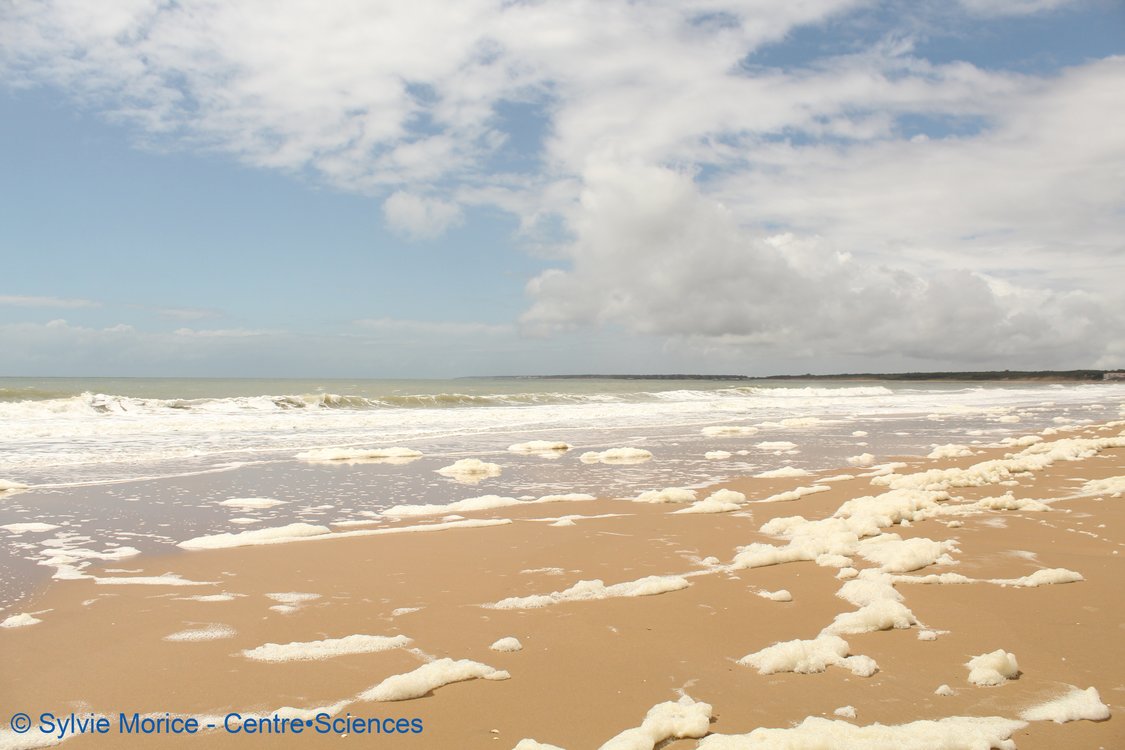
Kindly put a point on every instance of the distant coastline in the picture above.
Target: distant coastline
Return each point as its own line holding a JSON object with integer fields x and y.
{"x": 983, "y": 375}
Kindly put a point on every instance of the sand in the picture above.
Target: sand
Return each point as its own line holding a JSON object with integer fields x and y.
{"x": 592, "y": 668}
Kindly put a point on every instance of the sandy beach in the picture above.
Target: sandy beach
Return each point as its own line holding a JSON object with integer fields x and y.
{"x": 937, "y": 568}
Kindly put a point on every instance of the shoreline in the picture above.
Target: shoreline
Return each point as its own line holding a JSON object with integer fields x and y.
{"x": 613, "y": 657}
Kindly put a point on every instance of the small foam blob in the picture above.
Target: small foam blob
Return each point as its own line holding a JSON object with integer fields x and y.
{"x": 1075, "y": 705}
{"x": 325, "y": 649}
{"x": 616, "y": 456}
{"x": 21, "y": 620}
{"x": 511, "y": 643}
{"x": 431, "y": 676}
{"x": 472, "y": 468}
{"x": 993, "y": 668}
{"x": 213, "y": 632}
{"x": 782, "y": 473}
{"x": 847, "y": 712}
{"x": 863, "y": 459}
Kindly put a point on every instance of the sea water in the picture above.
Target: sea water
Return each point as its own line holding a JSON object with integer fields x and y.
{"x": 115, "y": 465}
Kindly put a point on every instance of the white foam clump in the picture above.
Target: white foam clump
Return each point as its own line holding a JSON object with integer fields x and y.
{"x": 863, "y": 459}
{"x": 251, "y": 503}
{"x": 720, "y": 501}
{"x": 21, "y": 620}
{"x": 530, "y": 744}
{"x": 894, "y": 554}
{"x": 717, "y": 455}
{"x": 927, "y": 635}
{"x": 816, "y": 733}
{"x": 794, "y": 494}
{"x": 943, "y": 690}
{"x": 1075, "y": 705}
{"x": 728, "y": 430}
{"x": 992, "y": 668}
{"x": 511, "y": 643}
{"x": 1044, "y": 577}
{"x": 224, "y": 597}
{"x": 847, "y": 712}
{"x": 809, "y": 657}
{"x": 950, "y": 450}
{"x": 7, "y": 484}
{"x": 541, "y": 447}
{"x": 776, "y": 445}
{"x": 681, "y": 719}
{"x": 273, "y": 535}
{"x": 616, "y": 456}
{"x": 595, "y": 589}
{"x": 1033, "y": 458}
{"x": 290, "y": 601}
{"x": 415, "y": 684}
{"x": 325, "y": 649}
{"x": 781, "y": 595}
{"x": 484, "y": 502}
{"x": 783, "y": 472}
{"x": 213, "y": 632}
{"x": 470, "y": 468}
{"x": 31, "y": 527}
{"x": 667, "y": 495}
{"x": 330, "y": 455}
{"x": 1112, "y": 486}
{"x": 883, "y": 614}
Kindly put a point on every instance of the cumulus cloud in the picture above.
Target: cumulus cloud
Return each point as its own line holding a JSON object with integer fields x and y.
{"x": 15, "y": 300}
{"x": 418, "y": 217}
{"x": 871, "y": 202}
{"x": 654, "y": 254}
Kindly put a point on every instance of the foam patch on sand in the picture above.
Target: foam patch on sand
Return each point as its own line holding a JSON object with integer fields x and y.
{"x": 847, "y": 712}
{"x": 511, "y": 643}
{"x": 1033, "y": 458}
{"x": 300, "y": 532}
{"x": 341, "y": 455}
{"x": 667, "y": 495}
{"x": 950, "y": 450}
{"x": 616, "y": 456}
{"x": 530, "y": 744}
{"x": 720, "y": 501}
{"x": 782, "y": 473}
{"x": 595, "y": 589}
{"x": 863, "y": 459}
{"x": 165, "y": 579}
{"x": 415, "y": 684}
{"x": 809, "y": 657}
{"x": 325, "y": 649}
{"x": 717, "y": 455}
{"x": 213, "y": 632}
{"x": 470, "y": 468}
{"x": 681, "y": 719}
{"x": 549, "y": 448}
{"x": 883, "y": 614}
{"x": 817, "y": 733}
{"x": 992, "y": 668}
{"x": 273, "y": 535}
{"x": 224, "y": 597}
{"x": 729, "y": 430}
{"x": 775, "y": 445}
{"x": 1112, "y": 486}
{"x": 1075, "y": 705}
{"x": 795, "y": 494}
{"x": 894, "y": 554}
{"x": 781, "y": 595}
{"x": 21, "y": 620}
{"x": 251, "y": 503}
{"x": 484, "y": 502}
{"x": 31, "y": 527}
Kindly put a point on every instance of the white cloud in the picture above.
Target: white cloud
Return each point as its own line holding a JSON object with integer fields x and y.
{"x": 14, "y": 300}
{"x": 418, "y": 217}
{"x": 728, "y": 206}
{"x": 430, "y": 328}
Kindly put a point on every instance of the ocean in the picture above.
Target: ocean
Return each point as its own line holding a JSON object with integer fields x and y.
{"x": 102, "y": 469}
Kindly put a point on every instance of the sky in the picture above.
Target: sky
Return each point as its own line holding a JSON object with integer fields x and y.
{"x": 430, "y": 189}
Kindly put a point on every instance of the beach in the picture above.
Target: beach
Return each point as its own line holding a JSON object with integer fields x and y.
{"x": 565, "y": 618}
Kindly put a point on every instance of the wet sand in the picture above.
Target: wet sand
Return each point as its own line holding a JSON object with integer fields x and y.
{"x": 591, "y": 669}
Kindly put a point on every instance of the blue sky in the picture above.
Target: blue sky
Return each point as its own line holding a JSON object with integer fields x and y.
{"x": 355, "y": 191}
